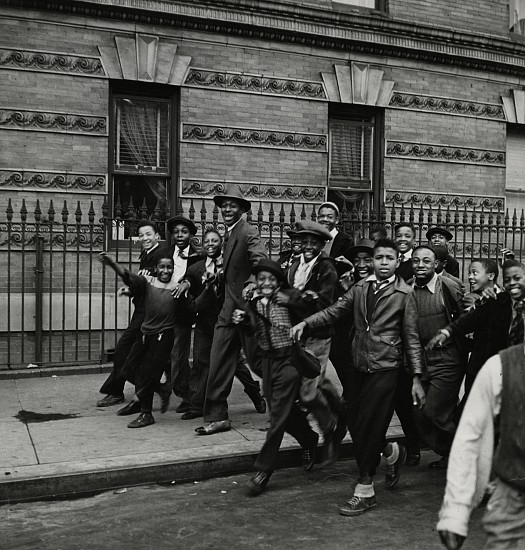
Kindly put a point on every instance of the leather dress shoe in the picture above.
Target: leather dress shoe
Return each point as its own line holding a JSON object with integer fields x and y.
{"x": 133, "y": 407}
{"x": 183, "y": 407}
{"x": 309, "y": 458}
{"x": 393, "y": 473}
{"x": 259, "y": 403}
{"x": 413, "y": 459}
{"x": 257, "y": 484}
{"x": 110, "y": 400}
{"x": 190, "y": 415}
{"x": 441, "y": 464}
{"x": 142, "y": 420}
{"x": 214, "y": 427}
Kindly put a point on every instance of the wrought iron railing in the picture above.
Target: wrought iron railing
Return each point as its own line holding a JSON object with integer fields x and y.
{"x": 61, "y": 307}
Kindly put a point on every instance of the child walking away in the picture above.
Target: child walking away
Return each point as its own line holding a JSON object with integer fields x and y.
{"x": 150, "y": 353}
{"x": 281, "y": 380}
{"x": 377, "y": 304}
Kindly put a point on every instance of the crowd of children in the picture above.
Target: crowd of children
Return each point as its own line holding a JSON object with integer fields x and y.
{"x": 393, "y": 318}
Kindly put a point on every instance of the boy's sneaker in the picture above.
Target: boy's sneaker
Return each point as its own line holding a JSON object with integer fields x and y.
{"x": 393, "y": 474}
{"x": 357, "y": 506}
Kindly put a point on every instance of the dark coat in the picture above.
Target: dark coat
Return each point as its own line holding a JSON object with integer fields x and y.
{"x": 341, "y": 246}
{"x": 405, "y": 271}
{"x": 490, "y": 322}
{"x": 203, "y": 300}
{"x": 452, "y": 266}
{"x": 243, "y": 250}
{"x": 377, "y": 346}
{"x": 322, "y": 281}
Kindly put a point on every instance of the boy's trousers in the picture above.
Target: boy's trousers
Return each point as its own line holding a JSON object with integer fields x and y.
{"x": 370, "y": 410}
{"x": 281, "y": 383}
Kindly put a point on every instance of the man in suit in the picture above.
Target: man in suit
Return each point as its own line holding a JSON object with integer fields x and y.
{"x": 243, "y": 249}
{"x": 184, "y": 255}
{"x": 404, "y": 236}
{"x": 440, "y": 237}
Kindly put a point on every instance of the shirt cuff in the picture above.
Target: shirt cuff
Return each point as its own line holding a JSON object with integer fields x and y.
{"x": 454, "y": 518}
{"x": 445, "y": 332}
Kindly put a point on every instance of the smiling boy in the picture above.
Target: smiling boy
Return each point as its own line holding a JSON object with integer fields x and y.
{"x": 377, "y": 304}
{"x": 150, "y": 353}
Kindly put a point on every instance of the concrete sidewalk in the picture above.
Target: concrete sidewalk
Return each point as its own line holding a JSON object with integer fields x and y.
{"x": 90, "y": 449}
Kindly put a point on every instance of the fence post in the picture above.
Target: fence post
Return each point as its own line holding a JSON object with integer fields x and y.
{"x": 39, "y": 297}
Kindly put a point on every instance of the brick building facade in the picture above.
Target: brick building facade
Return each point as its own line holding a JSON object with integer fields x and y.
{"x": 156, "y": 104}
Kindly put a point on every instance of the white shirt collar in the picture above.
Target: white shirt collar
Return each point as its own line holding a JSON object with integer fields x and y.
{"x": 311, "y": 262}
{"x": 407, "y": 255}
{"x": 216, "y": 260}
{"x": 230, "y": 229}
{"x": 184, "y": 251}
{"x": 374, "y": 278}
{"x": 334, "y": 232}
{"x": 151, "y": 249}
{"x": 431, "y": 285}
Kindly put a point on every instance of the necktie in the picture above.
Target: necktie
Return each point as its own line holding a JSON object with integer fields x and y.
{"x": 402, "y": 258}
{"x": 380, "y": 285}
{"x": 517, "y": 328}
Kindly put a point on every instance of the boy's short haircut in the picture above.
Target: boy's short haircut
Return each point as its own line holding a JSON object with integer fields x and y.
{"x": 435, "y": 251}
{"x": 386, "y": 243}
{"x": 405, "y": 224}
{"x": 490, "y": 266}
{"x": 163, "y": 257}
{"x": 380, "y": 230}
{"x": 507, "y": 264}
{"x": 211, "y": 230}
{"x": 147, "y": 223}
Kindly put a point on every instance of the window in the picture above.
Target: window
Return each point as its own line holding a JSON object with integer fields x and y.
{"x": 515, "y": 170}
{"x": 517, "y": 16}
{"x": 368, "y": 4}
{"x": 354, "y": 160}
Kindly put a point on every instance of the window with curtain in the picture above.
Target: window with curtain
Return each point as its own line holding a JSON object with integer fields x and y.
{"x": 517, "y": 16}
{"x": 351, "y": 153}
{"x": 141, "y": 161}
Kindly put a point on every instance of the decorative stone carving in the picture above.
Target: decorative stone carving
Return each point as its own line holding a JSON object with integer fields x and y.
{"x": 247, "y": 137}
{"x": 417, "y": 199}
{"x": 358, "y": 83}
{"x": 515, "y": 106}
{"x": 445, "y": 153}
{"x": 53, "y": 122}
{"x": 50, "y": 62}
{"x": 444, "y": 105}
{"x": 43, "y": 180}
{"x": 257, "y": 84}
{"x": 145, "y": 57}
{"x": 252, "y": 190}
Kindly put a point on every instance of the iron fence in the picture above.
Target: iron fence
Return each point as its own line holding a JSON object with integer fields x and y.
{"x": 61, "y": 307}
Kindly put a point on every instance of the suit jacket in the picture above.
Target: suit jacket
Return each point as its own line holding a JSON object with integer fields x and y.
{"x": 341, "y": 245}
{"x": 323, "y": 281}
{"x": 405, "y": 271}
{"x": 452, "y": 266}
{"x": 243, "y": 250}
{"x": 490, "y": 322}
{"x": 203, "y": 300}
{"x": 378, "y": 345}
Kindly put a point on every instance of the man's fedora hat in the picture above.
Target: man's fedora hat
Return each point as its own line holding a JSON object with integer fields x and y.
{"x": 269, "y": 265}
{"x": 172, "y": 222}
{"x": 439, "y": 231}
{"x": 362, "y": 245}
{"x": 313, "y": 228}
{"x": 233, "y": 194}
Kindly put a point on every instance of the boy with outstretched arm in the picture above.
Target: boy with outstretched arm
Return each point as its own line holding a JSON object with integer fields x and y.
{"x": 377, "y": 304}
{"x": 150, "y": 353}
{"x": 281, "y": 380}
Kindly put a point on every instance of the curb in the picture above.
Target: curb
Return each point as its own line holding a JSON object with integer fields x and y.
{"x": 45, "y": 372}
{"x": 61, "y": 486}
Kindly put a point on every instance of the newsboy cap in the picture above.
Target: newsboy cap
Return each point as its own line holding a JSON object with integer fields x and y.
{"x": 313, "y": 228}
{"x": 269, "y": 265}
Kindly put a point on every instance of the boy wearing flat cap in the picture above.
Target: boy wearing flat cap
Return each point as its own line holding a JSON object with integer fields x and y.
{"x": 184, "y": 255}
{"x": 271, "y": 323}
{"x": 313, "y": 280}
{"x": 439, "y": 237}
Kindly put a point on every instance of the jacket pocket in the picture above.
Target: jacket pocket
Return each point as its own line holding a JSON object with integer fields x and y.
{"x": 386, "y": 352}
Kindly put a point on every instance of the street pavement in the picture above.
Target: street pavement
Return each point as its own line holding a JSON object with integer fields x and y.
{"x": 81, "y": 448}
{"x": 298, "y": 511}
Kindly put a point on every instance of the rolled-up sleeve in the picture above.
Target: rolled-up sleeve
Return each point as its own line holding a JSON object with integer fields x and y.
{"x": 470, "y": 460}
